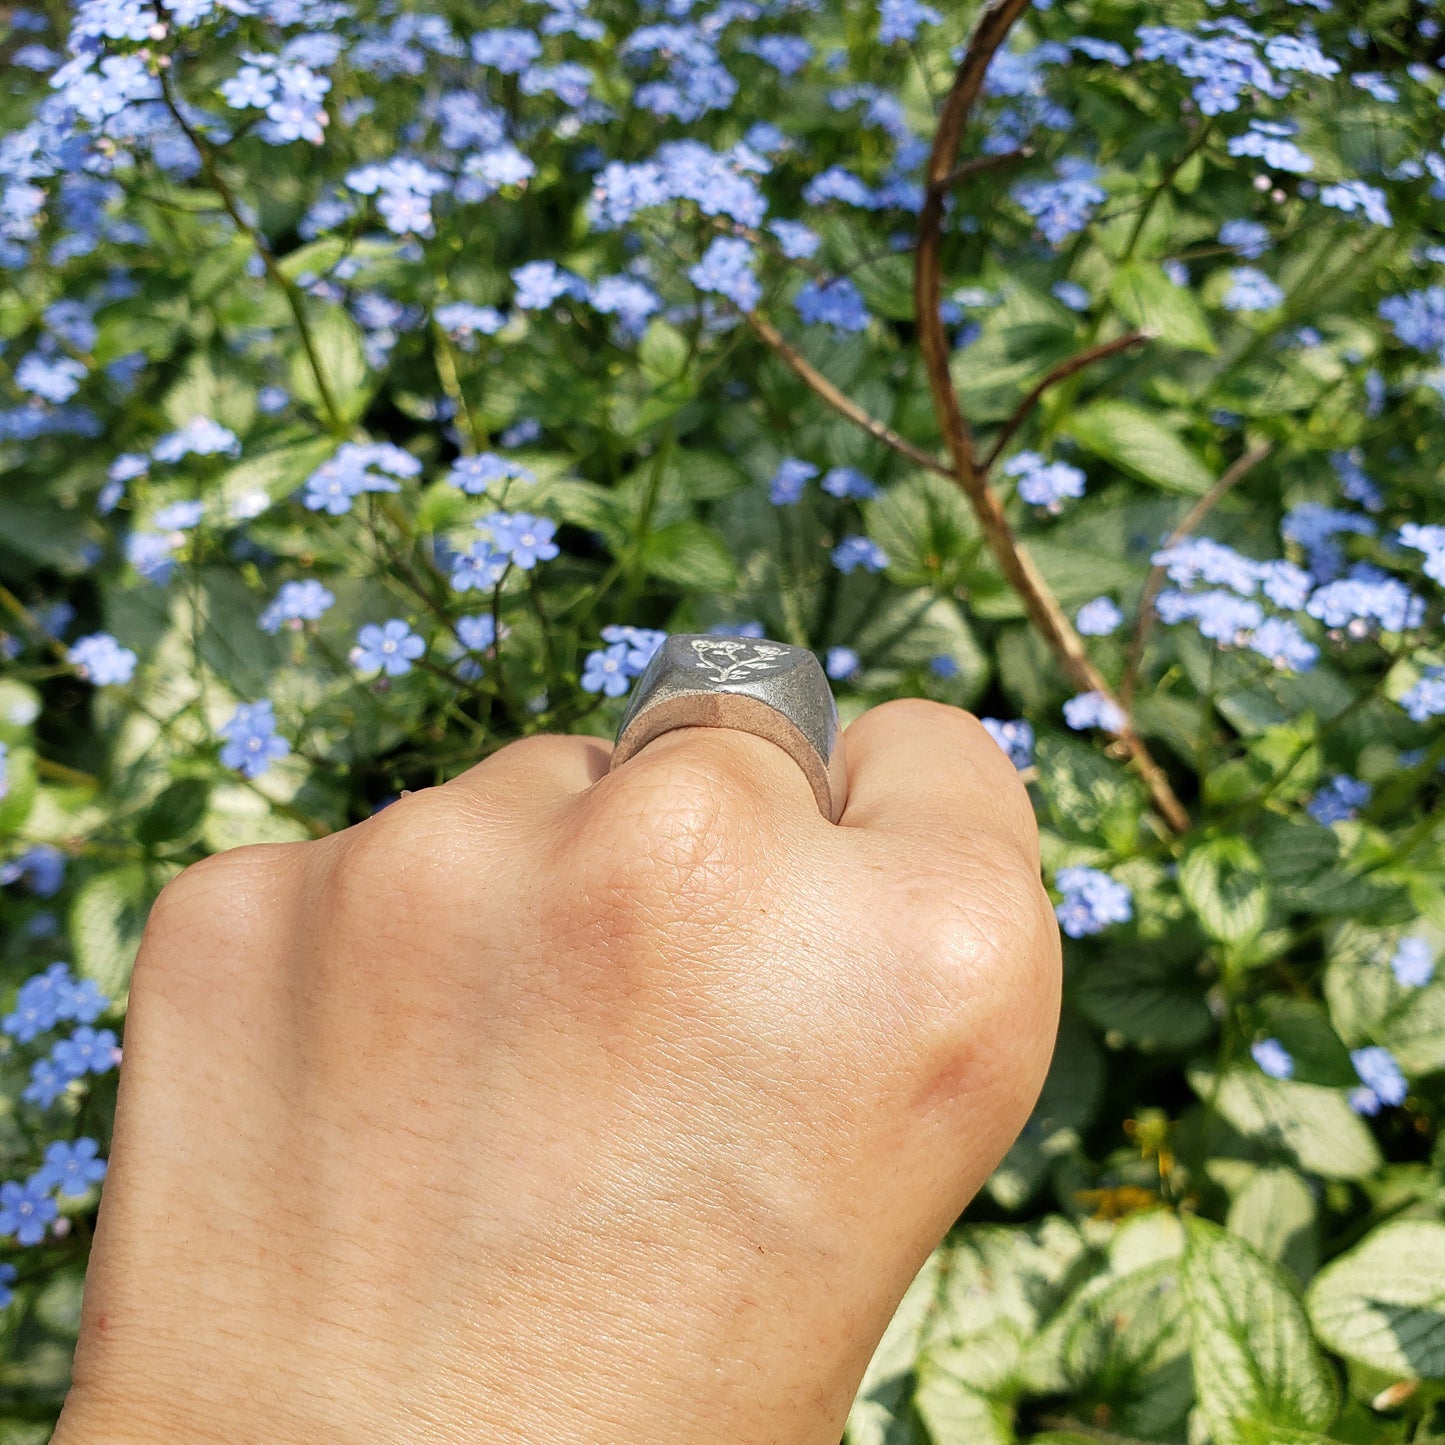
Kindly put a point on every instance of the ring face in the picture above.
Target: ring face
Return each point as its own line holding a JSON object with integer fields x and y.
{"x": 771, "y": 689}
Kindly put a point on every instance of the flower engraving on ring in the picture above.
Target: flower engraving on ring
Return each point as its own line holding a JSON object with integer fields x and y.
{"x": 727, "y": 660}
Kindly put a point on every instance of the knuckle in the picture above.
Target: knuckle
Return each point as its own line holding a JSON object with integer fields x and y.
{"x": 208, "y": 911}
{"x": 666, "y": 843}
{"x": 985, "y": 937}
{"x": 412, "y": 848}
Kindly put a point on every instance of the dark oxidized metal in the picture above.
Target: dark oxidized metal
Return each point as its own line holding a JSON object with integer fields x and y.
{"x": 752, "y": 684}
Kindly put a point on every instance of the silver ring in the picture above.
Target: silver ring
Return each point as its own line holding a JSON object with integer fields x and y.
{"x": 752, "y": 684}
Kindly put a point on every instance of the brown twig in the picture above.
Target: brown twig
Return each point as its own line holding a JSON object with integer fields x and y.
{"x": 1134, "y": 658}
{"x": 841, "y": 403}
{"x": 1059, "y": 373}
{"x": 1019, "y": 569}
{"x": 979, "y": 165}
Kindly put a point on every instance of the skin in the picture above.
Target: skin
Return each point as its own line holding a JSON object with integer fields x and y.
{"x": 559, "y": 1105}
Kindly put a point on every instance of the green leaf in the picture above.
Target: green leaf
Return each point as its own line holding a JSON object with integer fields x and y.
{"x": 176, "y": 814}
{"x": 1314, "y": 1125}
{"x": 926, "y": 527}
{"x": 202, "y": 390}
{"x": 905, "y": 631}
{"x": 1148, "y": 299}
{"x": 1369, "y": 1005}
{"x": 1383, "y": 1303}
{"x": 952, "y": 1413}
{"x": 1126, "y": 1346}
{"x": 1255, "y": 1361}
{"x": 1088, "y": 793}
{"x": 1276, "y": 1213}
{"x": 1147, "y": 1001}
{"x": 1066, "y": 1106}
{"x": 1224, "y": 884}
{"x": 107, "y": 918}
{"x": 691, "y": 555}
{"x": 1137, "y": 442}
{"x": 337, "y": 342}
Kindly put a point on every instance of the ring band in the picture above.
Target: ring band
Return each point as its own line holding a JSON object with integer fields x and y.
{"x": 754, "y": 685}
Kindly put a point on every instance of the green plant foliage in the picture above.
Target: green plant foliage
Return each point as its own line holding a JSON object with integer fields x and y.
{"x": 534, "y": 359}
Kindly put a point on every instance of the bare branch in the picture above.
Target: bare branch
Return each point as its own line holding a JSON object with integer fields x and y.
{"x": 1059, "y": 373}
{"x": 980, "y": 165}
{"x": 844, "y": 405}
{"x": 1134, "y": 658}
{"x": 1018, "y": 567}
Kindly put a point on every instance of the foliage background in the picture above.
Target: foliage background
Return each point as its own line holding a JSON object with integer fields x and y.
{"x": 1225, "y": 1220}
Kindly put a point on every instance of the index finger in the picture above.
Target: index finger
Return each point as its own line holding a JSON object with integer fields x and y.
{"x": 930, "y": 771}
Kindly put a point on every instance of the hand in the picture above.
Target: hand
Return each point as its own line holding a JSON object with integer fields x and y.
{"x": 566, "y": 1106}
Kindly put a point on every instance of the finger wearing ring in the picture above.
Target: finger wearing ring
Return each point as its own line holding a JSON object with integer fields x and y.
{"x": 754, "y": 685}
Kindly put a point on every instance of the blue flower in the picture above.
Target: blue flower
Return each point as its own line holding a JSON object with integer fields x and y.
{"x": 1283, "y": 644}
{"x": 1418, "y": 319}
{"x": 854, "y": 552}
{"x": 526, "y": 539}
{"x": 1099, "y": 618}
{"x": 631, "y": 301}
{"x": 792, "y": 475}
{"x": 1351, "y": 196}
{"x": 1092, "y": 901}
{"x": 51, "y": 997}
{"x": 251, "y": 742}
{"x": 797, "y": 241}
{"x": 8, "y": 1274}
{"x": 1251, "y": 290}
{"x": 901, "y": 19}
{"x": 1063, "y": 206}
{"x": 642, "y": 643}
{"x": 726, "y": 268}
{"x": 70, "y": 1169}
{"x": 1413, "y": 962}
{"x": 1219, "y": 615}
{"x": 480, "y": 567}
{"x": 478, "y": 633}
{"x": 1365, "y": 599}
{"x": 464, "y": 322}
{"x": 1202, "y": 559}
{"x": 296, "y": 602}
{"x": 199, "y": 437}
{"x": 390, "y": 647}
{"x": 1340, "y": 799}
{"x": 475, "y": 475}
{"x": 1426, "y": 699}
{"x": 86, "y": 1051}
{"x": 842, "y": 662}
{"x": 25, "y": 1210}
{"x": 101, "y": 660}
{"x": 356, "y": 468}
{"x": 845, "y": 482}
{"x": 1273, "y": 1058}
{"x": 1071, "y": 294}
{"x": 1044, "y": 484}
{"x": 48, "y": 1081}
{"x": 507, "y": 51}
{"x": 540, "y": 283}
{"x": 1270, "y": 143}
{"x": 1094, "y": 710}
{"x": 1015, "y": 736}
{"x": 41, "y": 867}
{"x": 836, "y": 303}
{"x": 1381, "y": 1077}
{"x": 1250, "y": 238}
{"x": 606, "y": 670}
{"x": 52, "y": 378}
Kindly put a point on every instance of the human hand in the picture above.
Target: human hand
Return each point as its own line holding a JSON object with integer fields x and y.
{"x": 557, "y": 1104}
